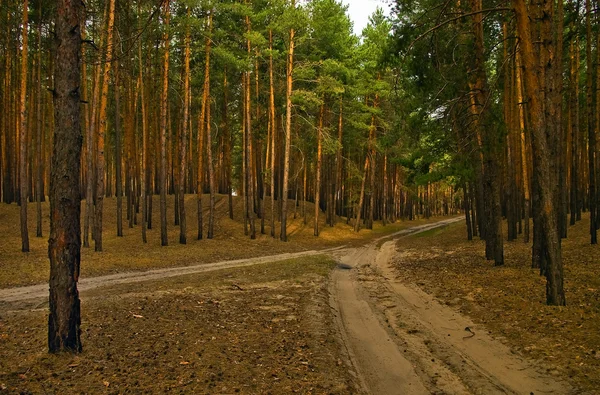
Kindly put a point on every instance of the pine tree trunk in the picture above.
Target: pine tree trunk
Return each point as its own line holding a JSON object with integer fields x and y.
{"x": 145, "y": 170}
{"x": 491, "y": 171}
{"x": 64, "y": 333}
{"x": 524, "y": 142}
{"x": 183, "y": 138}
{"x": 102, "y": 131}
{"x": 119, "y": 186}
{"x": 23, "y": 131}
{"x": 574, "y": 123}
{"x": 202, "y": 124}
{"x": 591, "y": 118}
{"x": 549, "y": 230}
{"x": 288, "y": 134}
{"x": 39, "y": 133}
{"x": 163, "y": 130}
{"x": 211, "y": 175}
{"x": 272, "y": 131}
{"x": 319, "y": 166}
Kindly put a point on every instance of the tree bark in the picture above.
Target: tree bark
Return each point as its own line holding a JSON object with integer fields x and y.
{"x": 319, "y": 166}
{"x": 40, "y": 133}
{"x": 102, "y": 131}
{"x": 549, "y": 230}
{"x": 119, "y": 182}
{"x": 591, "y": 118}
{"x": 64, "y": 245}
{"x": 288, "y": 133}
{"x": 183, "y": 138}
{"x": 23, "y": 131}
{"x": 163, "y": 130}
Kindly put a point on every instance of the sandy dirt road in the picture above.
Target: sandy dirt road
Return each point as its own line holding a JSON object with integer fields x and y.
{"x": 400, "y": 340}
{"x": 40, "y": 291}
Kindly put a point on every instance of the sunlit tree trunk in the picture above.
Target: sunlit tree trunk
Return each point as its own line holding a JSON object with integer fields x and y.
{"x": 184, "y": 134}
{"x": 23, "y": 130}
{"x": 549, "y": 229}
{"x": 202, "y": 125}
{"x": 163, "y": 129}
{"x": 119, "y": 186}
{"x": 318, "y": 169}
{"x": 102, "y": 130}
{"x": 288, "y": 132}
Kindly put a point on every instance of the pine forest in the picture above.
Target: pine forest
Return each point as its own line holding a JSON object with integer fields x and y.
{"x": 315, "y": 196}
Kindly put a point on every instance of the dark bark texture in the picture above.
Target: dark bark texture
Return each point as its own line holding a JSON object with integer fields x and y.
{"x": 64, "y": 333}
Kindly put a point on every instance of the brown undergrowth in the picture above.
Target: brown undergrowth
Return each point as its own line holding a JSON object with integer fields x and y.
{"x": 510, "y": 300}
{"x": 262, "y": 329}
{"x": 128, "y": 253}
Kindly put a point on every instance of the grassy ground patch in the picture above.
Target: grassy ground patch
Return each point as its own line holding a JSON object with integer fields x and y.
{"x": 510, "y": 300}
{"x": 260, "y": 329}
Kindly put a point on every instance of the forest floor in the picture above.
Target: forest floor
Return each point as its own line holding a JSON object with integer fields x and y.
{"x": 509, "y": 302}
{"x": 128, "y": 253}
{"x": 259, "y": 329}
{"x": 387, "y": 311}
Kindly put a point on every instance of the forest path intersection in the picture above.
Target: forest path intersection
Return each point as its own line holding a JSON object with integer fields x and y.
{"x": 401, "y": 340}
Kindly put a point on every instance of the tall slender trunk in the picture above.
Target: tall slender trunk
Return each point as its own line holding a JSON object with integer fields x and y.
{"x": 491, "y": 144}
{"x": 23, "y": 131}
{"x": 183, "y": 138}
{"x": 119, "y": 186}
{"x": 272, "y": 131}
{"x": 524, "y": 142}
{"x": 40, "y": 132}
{"x": 591, "y": 118}
{"x": 228, "y": 142}
{"x": 145, "y": 171}
{"x": 64, "y": 245}
{"x": 211, "y": 175}
{"x": 288, "y": 133}
{"x": 202, "y": 123}
{"x": 102, "y": 130}
{"x": 319, "y": 166}
{"x": 384, "y": 216}
{"x": 163, "y": 130}
{"x": 339, "y": 197}
{"x": 574, "y": 123}
{"x": 361, "y": 198}
{"x": 90, "y": 152}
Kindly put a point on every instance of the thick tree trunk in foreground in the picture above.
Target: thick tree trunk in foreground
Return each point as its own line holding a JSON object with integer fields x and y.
{"x": 65, "y": 199}
{"x": 548, "y": 214}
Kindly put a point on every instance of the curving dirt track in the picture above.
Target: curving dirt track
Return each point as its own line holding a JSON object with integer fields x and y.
{"x": 402, "y": 341}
